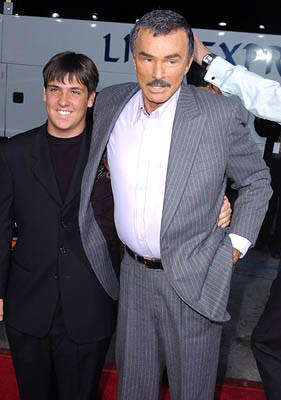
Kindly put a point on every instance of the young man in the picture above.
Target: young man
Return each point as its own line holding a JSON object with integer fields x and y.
{"x": 171, "y": 148}
{"x": 59, "y": 319}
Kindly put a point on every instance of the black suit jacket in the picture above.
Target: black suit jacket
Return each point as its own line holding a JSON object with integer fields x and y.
{"x": 271, "y": 130}
{"x": 48, "y": 263}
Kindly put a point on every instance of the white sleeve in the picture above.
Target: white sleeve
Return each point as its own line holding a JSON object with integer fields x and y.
{"x": 260, "y": 96}
{"x": 240, "y": 243}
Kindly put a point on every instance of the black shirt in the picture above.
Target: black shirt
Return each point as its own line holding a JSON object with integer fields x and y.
{"x": 64, "y": 154}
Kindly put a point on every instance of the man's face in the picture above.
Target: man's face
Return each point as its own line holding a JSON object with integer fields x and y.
{"x": 66, "y": 105}
{"x": 161, "y": 63}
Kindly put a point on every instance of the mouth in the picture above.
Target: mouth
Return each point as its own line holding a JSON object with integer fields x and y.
{"x": 157, "y": 89}
{"x": 158, "y": 86}
{"x": 63, "y": 113}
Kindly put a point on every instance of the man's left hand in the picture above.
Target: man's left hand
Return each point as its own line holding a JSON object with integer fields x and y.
{"x": 225, "y": 213}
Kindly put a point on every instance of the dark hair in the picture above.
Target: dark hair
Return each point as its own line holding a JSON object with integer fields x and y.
{"x": 162, "y": 22}
{"x": 74, "y": 65}
{"x": 195, "y": 75}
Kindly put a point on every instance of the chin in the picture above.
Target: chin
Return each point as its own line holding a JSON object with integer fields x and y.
{"x": 158, "y": 102}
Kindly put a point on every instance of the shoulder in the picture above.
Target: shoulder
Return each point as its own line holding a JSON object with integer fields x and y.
{"x": 220, "y": 105}
{"x": 122, "y": 87}
{"x": 116, "y": 92}
{"x": 205, "y": 97}
{"x": 22, "y": 141}
{"x": 26, "y": 135}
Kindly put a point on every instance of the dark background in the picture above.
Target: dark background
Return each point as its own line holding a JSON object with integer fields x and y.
{"x": 238, "y": 14}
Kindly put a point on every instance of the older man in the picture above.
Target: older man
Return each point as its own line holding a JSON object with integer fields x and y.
{"x": 171, "y": 148}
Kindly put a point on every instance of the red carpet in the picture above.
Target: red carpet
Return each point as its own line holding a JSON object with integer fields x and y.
{"x": 229, "y": 390}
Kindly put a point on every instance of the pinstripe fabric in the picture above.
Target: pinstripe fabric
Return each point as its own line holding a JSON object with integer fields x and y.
{"x": 209, "y": 143}
{"x": 155, "y": 328}
{"x": 92, "y": 238}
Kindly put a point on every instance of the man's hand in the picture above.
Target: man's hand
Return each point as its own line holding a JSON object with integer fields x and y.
{"x": 225, "y": 213}
{"x": 199, "y": 50}
{"x": 236, "y": 255}
{"x": 1, "y": 309}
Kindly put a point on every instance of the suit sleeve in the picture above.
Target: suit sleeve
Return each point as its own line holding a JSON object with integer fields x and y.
{"x": 6, "y": 221}
{"x": 250, "y": 176}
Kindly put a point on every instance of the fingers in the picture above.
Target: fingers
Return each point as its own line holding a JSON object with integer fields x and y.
{"x": 225, "y": 214}
{"x": 1, "y": 309}
{"x": 236, "y": 255}
{"x": 224, "y": 223}
{"x": 199, "y": 50}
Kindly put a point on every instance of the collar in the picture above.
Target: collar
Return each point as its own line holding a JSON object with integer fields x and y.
{"x": 61, "y": 140}
{"x": 160, "y": 112}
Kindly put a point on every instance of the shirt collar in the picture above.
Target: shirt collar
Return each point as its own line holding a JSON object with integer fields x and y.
{"x": 160, "y": 111}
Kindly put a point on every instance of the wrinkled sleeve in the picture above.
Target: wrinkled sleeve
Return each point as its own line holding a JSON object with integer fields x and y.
{"x": 260, "y": 96}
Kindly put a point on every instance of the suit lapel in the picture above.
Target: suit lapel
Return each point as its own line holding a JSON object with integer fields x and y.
{"x": 187, "y": 131}
{"x": 102, "y": 129}
{"x": 42, "y": 166}
{"x": 106, "y": 125}
{"x": 75, "y": 184}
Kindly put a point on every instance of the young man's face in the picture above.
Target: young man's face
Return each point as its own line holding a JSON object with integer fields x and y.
{"x": 161, "y": 63}
{"x": 66, "y": 105}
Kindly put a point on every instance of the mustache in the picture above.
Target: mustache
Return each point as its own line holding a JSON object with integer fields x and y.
{"x": 159, "y": 83}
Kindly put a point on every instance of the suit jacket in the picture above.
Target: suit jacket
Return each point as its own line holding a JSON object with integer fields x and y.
{"x": 48, "y": 263}
{"x": 210, "y": 142}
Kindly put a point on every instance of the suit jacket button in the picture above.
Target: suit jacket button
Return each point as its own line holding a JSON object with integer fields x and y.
{"x": 64, "y": 224}
{"x": 56, "y": 276}
{"x": 63, "y": 250}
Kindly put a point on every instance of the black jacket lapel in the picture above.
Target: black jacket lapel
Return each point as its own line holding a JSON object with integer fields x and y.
{"x": 42, "y": 166}
{"x": 75, "y": 184}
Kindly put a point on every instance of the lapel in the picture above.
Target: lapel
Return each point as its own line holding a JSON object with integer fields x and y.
{"x": 106, "y": 125}
{"x": 75, "y": 184}
{"x": 102, "y": 128}
{"x": 187, "y": 131}
{"x": 42, "y": 167}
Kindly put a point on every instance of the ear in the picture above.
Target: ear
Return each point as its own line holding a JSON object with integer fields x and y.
{"x": 188, "y": 65}
{"x": 134, "y": 60}
{"x": 44, "y": 94}
{"x": 91, "y": 99}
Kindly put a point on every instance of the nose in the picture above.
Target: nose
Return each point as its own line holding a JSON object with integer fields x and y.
{"x": 63, "y": 99}
{"x": 158, "y": 71}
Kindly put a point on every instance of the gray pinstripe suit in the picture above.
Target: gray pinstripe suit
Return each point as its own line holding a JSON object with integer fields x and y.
{"x": 210, "y": 142}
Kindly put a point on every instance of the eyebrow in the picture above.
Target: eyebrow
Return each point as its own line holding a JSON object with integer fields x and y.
{"x": 53, "y": 85}
{"x": 175, "y": 55}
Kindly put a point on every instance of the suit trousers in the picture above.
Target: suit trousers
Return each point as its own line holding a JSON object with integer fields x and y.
{"x": 156, "y": 329}
{"x": 54, "y": 367}
{"x": 266, "y": 342}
